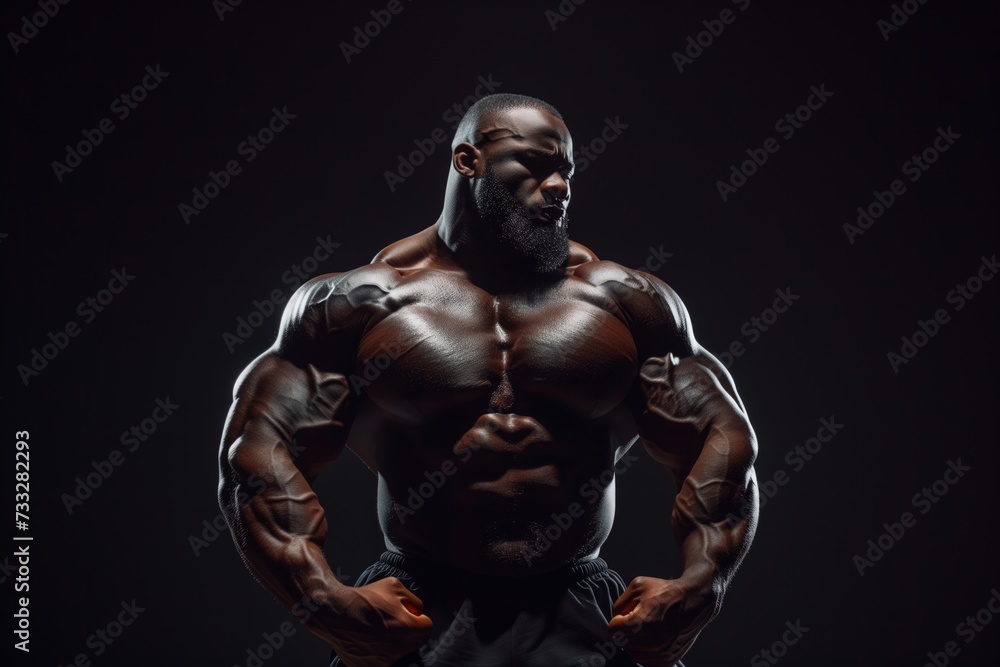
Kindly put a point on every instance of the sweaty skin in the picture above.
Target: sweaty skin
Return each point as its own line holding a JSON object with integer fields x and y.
{"x": 488, "y": 393}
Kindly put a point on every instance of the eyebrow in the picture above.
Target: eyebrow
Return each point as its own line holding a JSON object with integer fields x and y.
{"x": 554, "y": 154}
{"x": 542, "y": 152}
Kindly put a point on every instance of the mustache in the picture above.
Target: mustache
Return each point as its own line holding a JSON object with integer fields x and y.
{"x": 549, "y": 212}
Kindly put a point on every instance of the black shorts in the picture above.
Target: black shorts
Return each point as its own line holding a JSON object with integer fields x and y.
{"x": 559, "y": 619}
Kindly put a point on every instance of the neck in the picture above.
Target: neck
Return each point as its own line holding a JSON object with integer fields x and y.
{"x": 483, "y": 261}
{"x": 454, "y": 226}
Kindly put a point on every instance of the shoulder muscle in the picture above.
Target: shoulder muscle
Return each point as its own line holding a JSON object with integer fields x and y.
{"x": 654, "y": 313}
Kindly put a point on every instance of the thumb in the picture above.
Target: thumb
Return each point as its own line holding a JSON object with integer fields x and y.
{"x": 617, "y": 622}
{"x": 625, "y": 618}
{"x": 422, "y": 621}
{"x": 411, "y": 602}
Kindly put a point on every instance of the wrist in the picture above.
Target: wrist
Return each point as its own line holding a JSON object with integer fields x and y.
{"x": 322, "y": 606}
{"x": 705, "y": 576}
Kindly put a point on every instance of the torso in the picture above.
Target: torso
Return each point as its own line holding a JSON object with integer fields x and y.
{"x": 489, "y": 417}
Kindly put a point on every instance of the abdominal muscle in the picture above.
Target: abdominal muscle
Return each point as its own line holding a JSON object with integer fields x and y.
{"x": 508, "y": 498}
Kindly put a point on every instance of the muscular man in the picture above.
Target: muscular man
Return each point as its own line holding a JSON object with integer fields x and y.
{"x": 492, "y": 373}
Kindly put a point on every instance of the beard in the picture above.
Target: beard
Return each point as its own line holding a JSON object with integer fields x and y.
{"x": 539, "y": 246}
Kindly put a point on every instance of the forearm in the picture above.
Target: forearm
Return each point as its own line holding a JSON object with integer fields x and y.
{"x": 279, "y": 528}
{"x": 706, "y": 442}
{"x": 716, "y": 509}
{"x": 277, "y": 521}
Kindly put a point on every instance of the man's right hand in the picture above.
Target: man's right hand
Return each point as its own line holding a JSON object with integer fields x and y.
{"x": 378, "y": 624}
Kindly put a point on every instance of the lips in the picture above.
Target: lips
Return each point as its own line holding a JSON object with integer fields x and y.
{"x": 551, "y": 213}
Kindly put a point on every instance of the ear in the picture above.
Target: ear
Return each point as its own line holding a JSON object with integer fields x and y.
{"x": 467, "y": 160}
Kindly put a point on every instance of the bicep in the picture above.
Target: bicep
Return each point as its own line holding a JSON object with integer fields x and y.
{"x": 691, "y": 423}
{"x": 705, "y": 358}
{"x": 684, "y": 391}
{"x": 295, "y": 396}
{"x": 663, "y": 326}
{"x": 277, "y": 403}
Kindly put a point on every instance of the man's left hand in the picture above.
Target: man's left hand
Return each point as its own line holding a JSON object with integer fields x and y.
{"x": 661, "y": 618}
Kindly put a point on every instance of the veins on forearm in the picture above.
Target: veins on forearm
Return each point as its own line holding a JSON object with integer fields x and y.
{"x": 718, "y": 486}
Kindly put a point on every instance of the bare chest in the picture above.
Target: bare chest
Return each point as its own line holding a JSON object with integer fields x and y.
{"x": 441, "y": 345}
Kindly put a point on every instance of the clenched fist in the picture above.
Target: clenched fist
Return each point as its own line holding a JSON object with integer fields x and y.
{"x": 378, "y": 624}
{"x": 661, "y": 618}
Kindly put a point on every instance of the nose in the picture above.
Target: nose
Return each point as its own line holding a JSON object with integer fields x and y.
{"x": 555, "y": 189}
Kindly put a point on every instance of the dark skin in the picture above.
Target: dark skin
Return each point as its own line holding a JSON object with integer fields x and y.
{"x": 517, "y": 385}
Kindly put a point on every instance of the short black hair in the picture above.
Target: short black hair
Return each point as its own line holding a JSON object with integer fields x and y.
{"x": 491, "y": 104}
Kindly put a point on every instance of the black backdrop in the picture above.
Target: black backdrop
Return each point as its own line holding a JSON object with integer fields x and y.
{"x": 655, "y": 187}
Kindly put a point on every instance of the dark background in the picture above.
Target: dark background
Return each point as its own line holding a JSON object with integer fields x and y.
{"x": 654, "y": 186}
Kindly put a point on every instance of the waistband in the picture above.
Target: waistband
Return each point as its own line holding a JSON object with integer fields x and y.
{"x": 419, "y": 566}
